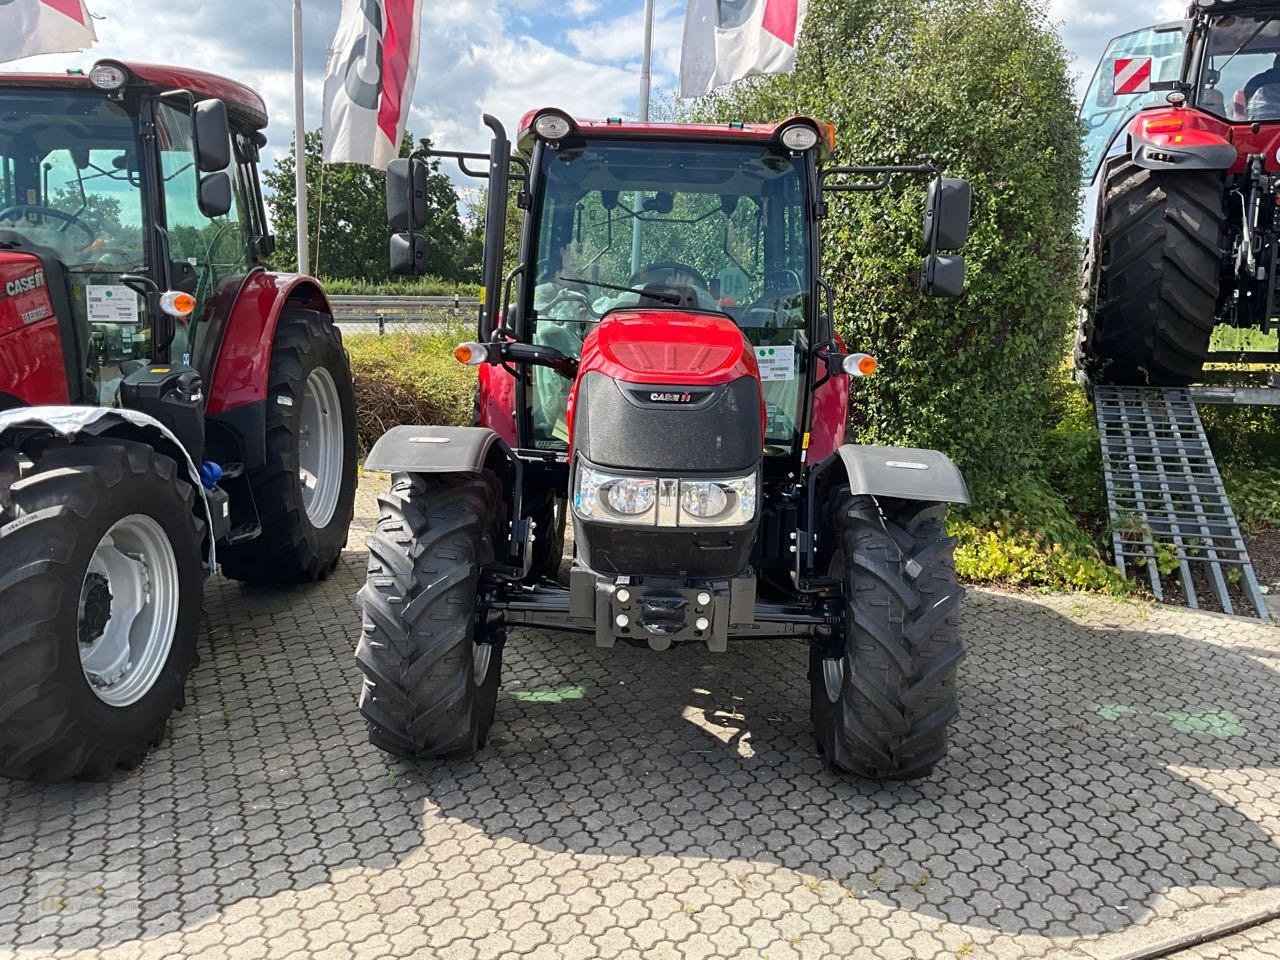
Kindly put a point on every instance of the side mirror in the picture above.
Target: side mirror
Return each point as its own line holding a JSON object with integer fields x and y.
{"x": 946, "y": 214}
{"x": 943, "y": 276}
{"x": 215, "y": 195}
{"x": 406, "y": 195}
{"x": 408, "y": 255}
{"x": 213, "y": 136}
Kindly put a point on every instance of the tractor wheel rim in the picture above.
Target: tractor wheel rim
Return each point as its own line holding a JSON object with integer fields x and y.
{"x": 320, "y": 445}
{"x": 128, "y": 610}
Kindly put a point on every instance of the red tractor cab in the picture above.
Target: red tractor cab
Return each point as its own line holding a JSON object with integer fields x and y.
{"x": 167, "y": 403}
{"x": 1182, "y": 142}
{"x": 661, "y": 368}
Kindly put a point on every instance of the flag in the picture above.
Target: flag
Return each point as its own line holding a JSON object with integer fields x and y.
{"x": 368, "y": 83}
{"x": 30, "y": 27}
{"x": 726, "y": 40}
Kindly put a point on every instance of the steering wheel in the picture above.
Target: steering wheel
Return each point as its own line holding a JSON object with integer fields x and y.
{"x": 647, "y": 274}
{"x": 565, "y": 293}
{"x": 18, "y": 211}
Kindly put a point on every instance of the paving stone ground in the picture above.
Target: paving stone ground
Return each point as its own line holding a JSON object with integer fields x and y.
{"x": 1113, "y": 790}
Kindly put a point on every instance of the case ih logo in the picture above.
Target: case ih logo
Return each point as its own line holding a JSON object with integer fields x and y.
{"x": 32, "y": 281}
{"x": 671, "y": 398}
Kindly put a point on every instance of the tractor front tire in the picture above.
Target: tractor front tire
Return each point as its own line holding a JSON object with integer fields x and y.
{"x": 550, "y": 515}
{"x": 1154, "y": 276}
{"x": 884, "y": 696}
{"x": 430, "y": 672}
{"x": 100, "y": 572}
{"x": 305, "y": 492}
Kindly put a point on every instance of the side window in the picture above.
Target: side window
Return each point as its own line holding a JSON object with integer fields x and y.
{"x": 1105, "y": 111}
{"x": 208, "y": 250}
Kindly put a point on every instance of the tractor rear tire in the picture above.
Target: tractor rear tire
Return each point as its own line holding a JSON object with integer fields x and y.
{"x": 1154, "y": 278}
{"x": 58, "y": 598}
{"x": 430, "y": 672}
{"x": 305, "y": 514}
{"x": 882, "y": 706}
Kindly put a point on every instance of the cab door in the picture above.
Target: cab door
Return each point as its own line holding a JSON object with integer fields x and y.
{"x": 1122, "y": 85}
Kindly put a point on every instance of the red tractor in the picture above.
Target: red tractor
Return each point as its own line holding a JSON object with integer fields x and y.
{"x": 166, "y": 402}
{"x": 1183, "y": 143}
{"x": 662, "y": 366}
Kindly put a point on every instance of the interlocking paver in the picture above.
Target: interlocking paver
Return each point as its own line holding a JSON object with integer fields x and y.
{"x": 1113, "y": 787}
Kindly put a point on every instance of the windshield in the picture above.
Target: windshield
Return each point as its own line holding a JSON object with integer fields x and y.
{"x": 1105, "y": 110}
{"x": 711, "y": 227}
{"x": 69, "y": 163}
{"x": 1240, "y": 79}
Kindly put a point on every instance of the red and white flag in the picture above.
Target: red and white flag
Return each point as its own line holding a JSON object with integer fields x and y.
{"x": 726, "y": 40}
{"x": 368, "y": 83}
{"x": 30, "y": 27}
{"x": 1133, "y": 75}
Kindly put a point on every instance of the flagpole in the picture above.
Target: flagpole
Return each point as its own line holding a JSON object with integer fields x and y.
{"x": 299, "y": 143}
{"x": 646, "y": 65}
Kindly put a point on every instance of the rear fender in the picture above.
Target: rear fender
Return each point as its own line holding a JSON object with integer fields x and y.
{"x": 245, "y": 329}
{"x": 17, "y": 426}
{"x": 1176, "y": 138}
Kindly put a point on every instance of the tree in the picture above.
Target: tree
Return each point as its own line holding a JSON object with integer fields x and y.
{"x": 347, "y": 217}
{"x": 983, "y": 86}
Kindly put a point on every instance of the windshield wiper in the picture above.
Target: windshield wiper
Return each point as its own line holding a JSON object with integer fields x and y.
{"x": 671, "y": 298}
{"x": 1252, "y": 37}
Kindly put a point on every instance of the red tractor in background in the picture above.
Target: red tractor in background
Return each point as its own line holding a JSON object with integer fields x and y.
{"x": 166, "y": 402}
{"x": 1183, "y": 142}
{"x": 662, "y": 366}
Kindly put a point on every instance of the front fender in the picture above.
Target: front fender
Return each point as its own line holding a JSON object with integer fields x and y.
{"x": 71, "y": 422}
{"x": 429, "y": 449}
{"x": 903, "y": 473}
{"x": 1180, "y": 139}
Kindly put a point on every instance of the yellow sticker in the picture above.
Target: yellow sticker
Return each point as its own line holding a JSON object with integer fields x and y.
{"x": 805, "y": 444}
{"x": 159, "y": 369}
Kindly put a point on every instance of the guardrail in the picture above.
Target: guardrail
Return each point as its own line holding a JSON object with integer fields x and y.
{"x": 369, "y": 314}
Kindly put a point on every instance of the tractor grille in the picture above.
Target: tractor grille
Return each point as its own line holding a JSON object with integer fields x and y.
{"x": 1170, "y": 514}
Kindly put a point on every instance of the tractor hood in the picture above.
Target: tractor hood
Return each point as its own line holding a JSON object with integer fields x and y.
{"x": 667, "y": 390}
{"x": 669, "y": 346}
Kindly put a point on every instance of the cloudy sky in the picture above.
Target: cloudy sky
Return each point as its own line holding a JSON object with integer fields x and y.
{"x": 500, "y": 56}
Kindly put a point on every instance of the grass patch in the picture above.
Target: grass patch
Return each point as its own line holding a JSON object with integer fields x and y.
{"x": 409, "y": 378}
{"x": 1246, "y": 444}
{"x": 1237, "y": 340}
{"x": 422, "y": 287}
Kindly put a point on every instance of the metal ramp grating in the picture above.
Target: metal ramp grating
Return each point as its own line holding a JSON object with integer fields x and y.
{"x": 1168, "y": 506}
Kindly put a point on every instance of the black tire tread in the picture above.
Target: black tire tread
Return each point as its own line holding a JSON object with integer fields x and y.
{"x": 1154, "y": 275}
{"x": 902, "y": 643}
{"x": 433, "y": 536}
{"x": 41, "y": 737}
{"x": 284, "y": 552}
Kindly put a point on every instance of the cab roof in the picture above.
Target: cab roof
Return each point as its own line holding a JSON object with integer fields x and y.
{"x": 242, "y": 102}
{"x": 725, "y": 132}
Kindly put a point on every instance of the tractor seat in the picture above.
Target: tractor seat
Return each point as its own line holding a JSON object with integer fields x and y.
{"x": 1215, "y": 101}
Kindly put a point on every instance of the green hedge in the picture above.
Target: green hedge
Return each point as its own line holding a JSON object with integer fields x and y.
{"x": 983, "y": 86}
{"x": 409, "y": 378}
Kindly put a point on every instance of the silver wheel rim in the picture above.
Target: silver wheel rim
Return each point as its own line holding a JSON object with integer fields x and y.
{"x": 128, "y": 610}
{"x": 481, "y": 657}
{"x": 320, "y": 447}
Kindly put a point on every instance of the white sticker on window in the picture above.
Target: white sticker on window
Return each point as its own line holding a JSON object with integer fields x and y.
{"x": 111, "y": 303}
{"x": 776, "y": 363}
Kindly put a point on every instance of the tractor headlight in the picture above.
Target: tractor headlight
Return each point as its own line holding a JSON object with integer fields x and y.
{"x": 108, "y": 76}
{"x": 799, "y": 137}
{"x": 717, "y": 503}
{"x": 641, "y": 501}
{"x": 605, "y": 496}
